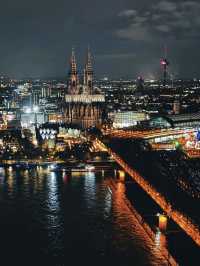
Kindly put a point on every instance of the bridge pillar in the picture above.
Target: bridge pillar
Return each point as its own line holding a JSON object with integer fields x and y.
{"x": 121, "y": 175}
{"x": 162, "y": 222}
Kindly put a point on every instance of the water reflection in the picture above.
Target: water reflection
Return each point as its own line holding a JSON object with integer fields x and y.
{"x": 2, "y": 175}
{"x": 11, "y": 182}
{"x": 160, "y": 239}
{"x": 52, "y": 193}
{"x": 89, "y": 188}
{"x": 108, "y": 204}
{"x": 88, "y": 210}
{"x": 132, "y": 232}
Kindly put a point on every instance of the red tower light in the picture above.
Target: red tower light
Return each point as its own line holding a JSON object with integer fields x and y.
{"x": 164, "y": 62}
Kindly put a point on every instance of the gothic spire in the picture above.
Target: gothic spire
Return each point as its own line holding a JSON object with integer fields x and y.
{"x": 73, "y": 66}
{"x": 89, "y": 61}
{"x": 73, "y": 82}
{"x": 88, "y": 73}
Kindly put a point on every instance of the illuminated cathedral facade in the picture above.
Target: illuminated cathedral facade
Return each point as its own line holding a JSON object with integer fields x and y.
{"x": 83, "y": 106}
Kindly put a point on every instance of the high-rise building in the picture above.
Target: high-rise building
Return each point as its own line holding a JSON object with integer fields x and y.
{"x": 35, "y": 97}
{"x": 46, "y": 91}
{"x": 82, "y": 105}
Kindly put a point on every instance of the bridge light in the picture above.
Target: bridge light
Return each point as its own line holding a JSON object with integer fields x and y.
{"x": 121, "y": 175}
{"x": 162, "y": 222}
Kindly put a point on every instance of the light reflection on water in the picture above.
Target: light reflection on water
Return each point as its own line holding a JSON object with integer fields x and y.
{"x": 107, "y": 204}
{"x": 130, "y": 233}
{"x": 52, "y": 193}
{"x": 90, "y": 189}
{"x": 67, "y": 217}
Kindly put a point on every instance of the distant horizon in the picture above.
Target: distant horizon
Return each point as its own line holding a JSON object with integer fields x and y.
{"x": 110, "y": 78}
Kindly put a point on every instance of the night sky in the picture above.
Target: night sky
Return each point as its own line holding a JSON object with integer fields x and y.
{"x": 127, "y": 37}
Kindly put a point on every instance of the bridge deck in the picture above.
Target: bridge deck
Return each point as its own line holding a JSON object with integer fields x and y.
{"x": 184, "y": 222}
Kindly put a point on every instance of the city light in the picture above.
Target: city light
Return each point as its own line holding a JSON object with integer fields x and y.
{"x": 100, "y": 145}
{"x": 27, "y": 110}
{"x": 77, "y": 128}
{"x": 35, "y": 109}
{"x": 186, "y": 224}
{"x": 162, "y": 222}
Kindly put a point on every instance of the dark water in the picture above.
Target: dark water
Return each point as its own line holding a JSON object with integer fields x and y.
{"x": 49, "y": 218}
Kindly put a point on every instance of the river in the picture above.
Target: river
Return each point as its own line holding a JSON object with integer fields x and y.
{"x": 55, "y": 218}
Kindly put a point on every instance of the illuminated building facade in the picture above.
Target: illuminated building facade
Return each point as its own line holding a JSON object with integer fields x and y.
{"x": 127, "y": 119}
{"x": 82, "y": 106}
{"x": 58, "y": 136}
{"x": 191, "y": 120}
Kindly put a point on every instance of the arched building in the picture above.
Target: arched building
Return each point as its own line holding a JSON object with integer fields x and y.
{"x": 191, "y": 120}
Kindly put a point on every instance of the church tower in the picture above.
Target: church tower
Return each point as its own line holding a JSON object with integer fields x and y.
{"x": 73, "y": 81}
{"x": 88, "y": 74}
{"x": 81, "y": 105}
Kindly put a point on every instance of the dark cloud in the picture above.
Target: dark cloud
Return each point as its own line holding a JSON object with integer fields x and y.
{"x": 164, "y": 17}
{"x": 166, "y": 6}
{"x": 126, "y": 36}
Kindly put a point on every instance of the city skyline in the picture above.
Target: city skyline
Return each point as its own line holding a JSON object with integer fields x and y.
{"x": 100, "y": 132}
{"x": 127, "y": 39}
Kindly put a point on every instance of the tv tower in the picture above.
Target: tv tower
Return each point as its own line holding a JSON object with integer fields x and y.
{"x": 164, "y": 64}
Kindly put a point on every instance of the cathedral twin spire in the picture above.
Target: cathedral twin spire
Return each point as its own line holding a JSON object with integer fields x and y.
{"x": 74, "y": 86}
{"x": 73, "y": 81}
{"x": 73, "y": 63}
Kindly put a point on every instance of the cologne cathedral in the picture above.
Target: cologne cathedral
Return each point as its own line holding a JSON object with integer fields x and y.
{"x": 83, "y": 106}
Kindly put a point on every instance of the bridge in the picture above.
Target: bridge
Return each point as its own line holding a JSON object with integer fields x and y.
{"x": 180, "y": 219}
{"x": 154, "y": 135}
